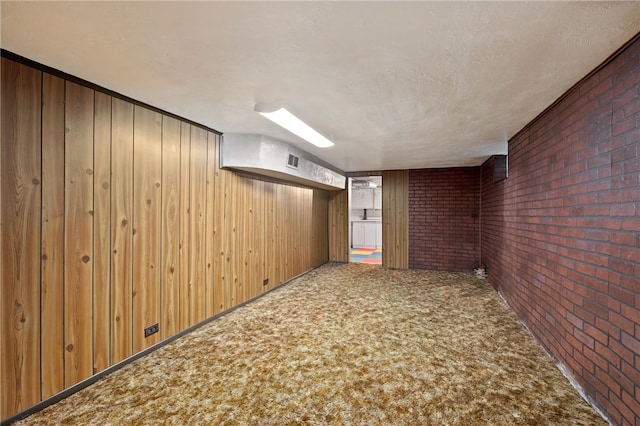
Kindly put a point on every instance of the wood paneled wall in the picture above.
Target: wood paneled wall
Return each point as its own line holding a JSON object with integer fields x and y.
{"x": 21, "y": 172}
{"x": 339, "y": 226}
{"x": 116, "y": 217}
{"x": 395, "y": 219}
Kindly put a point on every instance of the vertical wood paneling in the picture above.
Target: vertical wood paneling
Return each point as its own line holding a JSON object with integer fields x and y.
{"x": 218, "y": 237}
{"x": 134, "y": 224}
{"x": 102, "y": 233}
{"x": 270, "y": 234}
{"x": 170, "y": 273}
{"x": 185, "y": 224}
{"x": 147, "y": 163}
{"x": 284, "y": 236}
{"x": 296, "y": 230}
{"x": 395, "y": 219}
{"x": 314, "y": 222}
{"x": 52, "y": 285}
{"x": 300, "y": 234}
{"x": 258, "y": 237}
{"x": 320, "y": 227}
{"x": 198, "y": 170}
{"x": 210, "y": 223}
{"x": 308, "y": 244}
{"x": 78, "y": 233}
{"x": 20, "y": 234}
{"x": 291, "y": 232}
{"x": 229, "y": 239}
{"x": 239, "y": 233}
{"x": 283, "y": 244}
{"x": 233, "y": 251}
{"x": 323, "y": 247}
{"x": 245, "y": 238}
{"x": 339, "y": 226}
{"x": 302, "y": 215}
{"x": 248, "y": 237}
{"x": 121, "y": 229}
{"x": 277, "y": 236}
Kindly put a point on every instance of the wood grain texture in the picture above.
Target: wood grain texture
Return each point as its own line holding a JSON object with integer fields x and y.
{"x": 237, "y": 189}
{"x": 20, "y": 174}
{"x": 338, "y": 226}
{"x": 78, "y": 234}
{"x": 204, "y": 239}
{"x": 296, "y": 229}
{"x": 270, "y": 234}
{"x": 395, "y": 219}
{"x": 287, "y": 201}
{"x": 170, "y": 273}
{"x": 320, "y": 224}
{"x": 233, "y": 251}
{"x": 52, "y": 277}
{"x": 228, "y": 238}
{"x": 281, "y": 238}
{"x": 302, "y": 213}
{"x": 147, "y": 191}
{"x": 218, "y": 237}
{"x": 102, "y": 233}
{"x": 258, "y": 246}
{"x": 121, "y": 229}
{"x": 210, "y": 253}
{"x": 185, "y": 225}
{"x": 308, "y": 244}
{"x": 245, "y": 236}
{"x": 197, "y": 269}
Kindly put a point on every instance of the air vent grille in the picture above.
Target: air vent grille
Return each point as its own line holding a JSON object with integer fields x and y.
{"x": 500, "y": 167}
{"x": 293, "y": 161}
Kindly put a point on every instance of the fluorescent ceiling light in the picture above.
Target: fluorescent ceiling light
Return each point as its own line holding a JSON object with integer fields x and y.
{"x": 284, "y": 118}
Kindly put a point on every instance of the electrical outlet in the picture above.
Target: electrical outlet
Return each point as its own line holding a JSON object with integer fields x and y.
{"x": 152, "y": 329}
{"x": 265, "y": 281}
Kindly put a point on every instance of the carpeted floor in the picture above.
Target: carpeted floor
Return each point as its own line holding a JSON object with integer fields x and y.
{"x": 348, "y": 344}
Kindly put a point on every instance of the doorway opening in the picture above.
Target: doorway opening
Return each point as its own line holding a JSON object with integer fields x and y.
{"x": 365, "y": 220}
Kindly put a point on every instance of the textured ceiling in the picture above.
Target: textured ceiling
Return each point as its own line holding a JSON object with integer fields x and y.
{"x": 395, "y": 85}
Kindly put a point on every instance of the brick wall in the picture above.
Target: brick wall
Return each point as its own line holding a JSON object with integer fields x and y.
{"x": 443, "y": 218}
{"x": 561, "y": 235}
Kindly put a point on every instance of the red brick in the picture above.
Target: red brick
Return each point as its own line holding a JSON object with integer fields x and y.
{"x": 607, "y": 353}
{"x": 631, "y": 313}
{"x": 610, "y": 408}
{"x": 626, "y": 411}
{"x": 624, "y": 238}
{"x": 631, "y": 372}
{"x": 611, "y": 304}
{"x": 611, "y": 197}
{"x": 621, "y": 294}
{"x": 623, "y": 126}
{"x": 596, "y": 358}
{"x": 596, "y": 309}
{"x": 608, "y": 223}
{"x": 585, "y": 339}
{"x": 624, "y": 324}
{"x": 448, "y": 223}
{"x": 577, "y": 322}
{"x": 631, "y": 402}
{"x": 611, "y": 383}
{"x": 562, "y": 233}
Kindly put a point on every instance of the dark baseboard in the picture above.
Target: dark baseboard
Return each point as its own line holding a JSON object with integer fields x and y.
{"x": 99, "y": 376}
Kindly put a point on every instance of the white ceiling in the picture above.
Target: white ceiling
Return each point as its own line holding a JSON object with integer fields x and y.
{"x": 395, "y": 85}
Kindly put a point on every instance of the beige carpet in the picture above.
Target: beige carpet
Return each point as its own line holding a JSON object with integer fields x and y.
{"x": 345, "y": 344}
